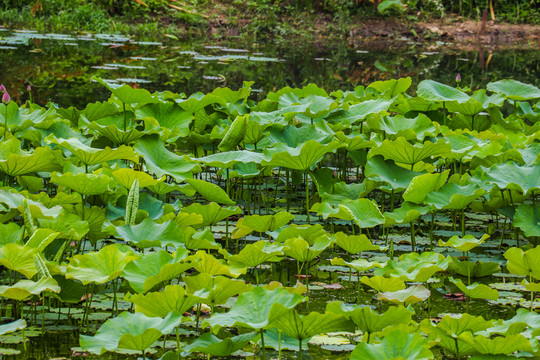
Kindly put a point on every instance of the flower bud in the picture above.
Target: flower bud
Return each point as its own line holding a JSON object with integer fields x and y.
{"x": 6, "y": 99}
{"x": 28, "y": 88}
{"x": 458, "y": 78}
{"x": 2, "y": 88}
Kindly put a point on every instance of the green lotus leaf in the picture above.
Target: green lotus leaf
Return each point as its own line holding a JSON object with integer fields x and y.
{"x": 212, "y": 213}
{"x": 230, "y": 158}
{"x": 406, "y": 213}
{"x": 454, "y": 197}
{"x": 403, "y": 152}
{"x": 95, "y": 216}
{"x": 14, "y": 200}
{"x": 10, "y": 233}
{"x": 23, "y": 289}
{"x": 363, "y": 212}
{"x": 307, "y": 232}
{"x": 478, "y": 102}
{"x": 150, "y": 233}
{"x": 499, "y": 345}
{"x": 361, "y": 110}
{"x": 342, "y": 192}
{"x": 15, "y": 162}
{"x": 410, "y": 128}
{"x": 524, "y": 321}
{"x": 476, "y": 290}
{"x": 159, "y": 304}
{"x": 397, "y": 344}
{"x": 210, "y": 192}
{"x": 435, "y": 91}
{"x": 354, "y": 141}
{"x": 148, "y": 205}
{"x": 255, "y": 309}
{"x": 527, "y": 218}
{"x": 184, "y": 219}
{"x": 422, "y": 185}
{"x": 99, "y": 110}
{"x": 305, "y": 327}
{"x": 19, "y": 258}
{"x": 354, "y": 244}
{"x": 360, "y": 265}
{"x": 201, "y": 240}
{"x": 474, "y": 269}
{"x": 210, "y": 344}
{"x": 215, "y": 290}
{"x": 127, "y": 94}
{"x": 387, "y": 171}
{"x": 415, "y": 267}
{"x": 69, "y": 226}
{"x": 525, "y": 263}
{"x": 12, "y": 326}
{"x": 253, "y": 255}
{"x": 514, "y": 89}
{"x": 126, "y": 177}
{"x": 114, "y": 133}
{"x": 71, "y": 291}
{"x": 91, "y": 156}
{"x": 207, "y": 264}
{"x": 299, "y": 249}
{"x": 391, "y": 88}
{"x": 513, "y": 177}
{"x": 127, "y": 331}
{"x": 40, "y": 239}
{"x": 199, "y": 101}
{"x": 99, "y": 267}
{"x": 260, "y": 223}
{"x": 155, "y": 268}
{"x": 383, "y": 284}
{"x": 465, "y": 243}
{"x": 168, "y": 115}
{"x": 410, "y": 295}
{"x": 449, "y": 329}
{"x": 294, "y": 137}
{"x": 161, "y": 161}
{"x": 83, "y": 183}
{"x": 368, "y": 320}
{"x": 236, "y": 133}
{"x": 302, "y": 157}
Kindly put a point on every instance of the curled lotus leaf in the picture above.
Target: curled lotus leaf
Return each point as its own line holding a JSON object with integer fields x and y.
{"x": 435, "y": 91}
{"x": 354, "y": 244}
{"x": 514, "y": 90}
{"x": 527, "y": 218}
{"x": 383, "y": 284}
{"x": 173, "y": 298}
{"x": 23, "y": 289}
{"x": 525, "y": 263}
{"x": 360, "y": 265}
{"x": 465, "y": 243}
{"x": 476, "y": 290}
{"x": 252, "y": 255}
{"x": 215, "y": 290}
{"x": 410, "y": 295}
{"x": 210, "y": 344}
{"x": 403, "y": 152}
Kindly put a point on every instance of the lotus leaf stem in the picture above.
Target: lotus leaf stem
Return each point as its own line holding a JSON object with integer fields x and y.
{"x": 262, "y": 344}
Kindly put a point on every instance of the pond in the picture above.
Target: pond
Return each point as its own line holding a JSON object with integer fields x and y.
{"x": 59, "y": 66}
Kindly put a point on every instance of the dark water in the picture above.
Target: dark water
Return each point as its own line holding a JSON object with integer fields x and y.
{"x": 59, "y": 67}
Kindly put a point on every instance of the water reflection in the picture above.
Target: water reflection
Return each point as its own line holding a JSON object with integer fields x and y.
{"x": 59, "y": 66}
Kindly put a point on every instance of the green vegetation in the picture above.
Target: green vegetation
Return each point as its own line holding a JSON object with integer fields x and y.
{"x": 201, "y": 219}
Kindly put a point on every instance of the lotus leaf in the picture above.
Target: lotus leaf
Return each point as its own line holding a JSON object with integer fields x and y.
{"x": 397, "y": 344}
{"x": 84, "y": 184}
{"x": 465, "y": 243}
{"x": 393, "y": 87}
{"x": 415, "y": 267}
{"x": 210, "y": 344}
{"x": 69, "y": 226}
{"x": 14, "y": 200}
{"x": 354, "y": 141}
{"x": 304, "y": 327}
{"x": 387, "y": 171}
{"x": 150, "y": 233}
{"x": 168, "y": 115}
{"x": 403, "y": 152}
{"x": 499, "y": 345}
{"x": 513, "y": 177}
{"x": 10, "y": 233}
{"x": 126, "y": 177}
{"x": 301, "y": 158}
{"x": 253, "y": 255}
{"x": 207, "y": 264}
{"x": 527, "y": 218}
{"x": 127, "y": 94}
{"x": 523, "y": 262}
{"x": 99, "y": 267}
{"x": 16, "y": 162}
{"x": 159, "y": 304}
{"x": 354, "y": 244}
{"x": 363, "y": 212}
{"x": 12, "y": 326}
{"x": 210, "y": 192}
{"x": 306, "y": 232}
{"x": 435, "y": 91}
{"x": 127, "y": 331}
{"x": 342, "y": 192}
{"x": 383, "y": 284}
{"x": 514, "y": 90}
{"x": 23, "y": 289}
{"x": 114, "y": 133}
{"x": 473, "y": 269}
{"x": 260, "y": 223}
{"x": 453, "y": 196}
{"x": 161, "y": 161}
{"x": 410, "y": 295}
{"x": 230, "y": 158}
{"x": 201, "y": 240}
{"x": 155, "y": 268}
{"x": 301, "y": 250}
{"x": 361, "y": 110}
{"x": 360, "y": 265}
{"x": 212, "y": 213}
{"x": 19, "y": 258}
{"x": 255, "y": 309}
{"x": 215, "y": 290}
{"x": 422, "y": 185}
{"x": 410, "y": 128}
{"x": 476, "y": 290}
{"x": 408, "y": 212}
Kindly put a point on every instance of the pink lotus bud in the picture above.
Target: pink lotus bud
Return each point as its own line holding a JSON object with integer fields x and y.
{"x": 458, "y": 78}
{"x": 2, "y": 88}
{"x": 72, "y": 244}
{"x": 29, "y": 88}
{"x": 6, "y": 99}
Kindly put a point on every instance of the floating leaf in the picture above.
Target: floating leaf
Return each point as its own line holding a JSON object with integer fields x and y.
{"x": 410, "y": 295}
